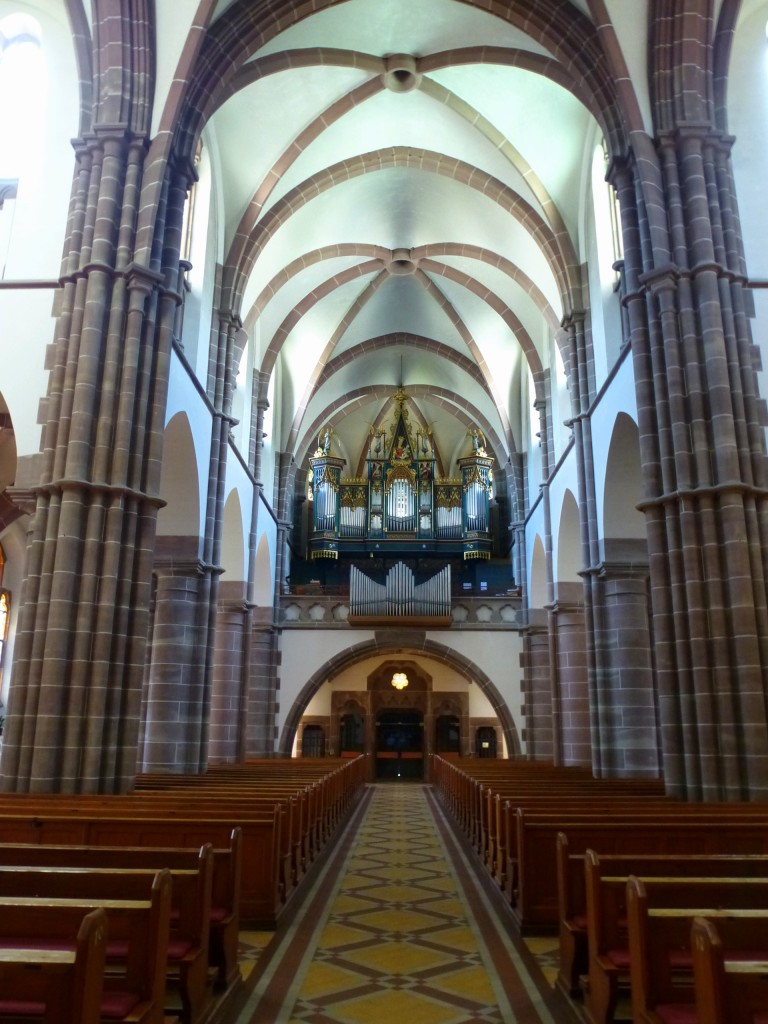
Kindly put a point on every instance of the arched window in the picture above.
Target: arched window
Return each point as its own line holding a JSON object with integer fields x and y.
{"x": 23, "y": 86}
{"x": 610, "y": 245}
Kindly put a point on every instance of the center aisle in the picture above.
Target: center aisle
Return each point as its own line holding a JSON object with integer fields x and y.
{"x": 396, "y": 927}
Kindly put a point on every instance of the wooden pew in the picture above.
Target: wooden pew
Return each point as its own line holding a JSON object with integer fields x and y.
{"x": 536, "y": 909}
{"x": 572, "y": 896}
{"x": 662, "y": 954}
{"x": 57, "y": 986}
{"x": 608, "y": 912}
{"x": 499, "y": 804}
{"x": 274, "y": 856}
{"x": 260, "y": 899}
{"x": 186, "y": 953}
{"x": 137, "y": 929}
{"x": 728, "y": 990}
{"x": 224, "y": 915}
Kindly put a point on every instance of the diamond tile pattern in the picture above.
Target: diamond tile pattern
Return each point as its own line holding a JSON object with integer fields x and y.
{"x": 398, "y": 944}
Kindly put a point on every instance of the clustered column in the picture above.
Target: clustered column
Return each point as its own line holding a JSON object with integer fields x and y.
{"x": 704, "y": 456}
{"x": 73, "y": 716}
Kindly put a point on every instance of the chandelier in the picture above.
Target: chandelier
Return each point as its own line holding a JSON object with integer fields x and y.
{"x": 399, "y": 680}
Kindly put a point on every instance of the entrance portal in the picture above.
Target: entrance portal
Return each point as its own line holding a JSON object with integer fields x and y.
{"x": 400, "y": 744}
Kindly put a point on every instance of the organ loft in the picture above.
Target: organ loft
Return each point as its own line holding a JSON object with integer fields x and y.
{"x": 408, "y": 500}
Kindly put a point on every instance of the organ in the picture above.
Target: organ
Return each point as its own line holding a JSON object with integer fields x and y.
{"x": 399, "y": 597}
{"x": 399, "y": 505}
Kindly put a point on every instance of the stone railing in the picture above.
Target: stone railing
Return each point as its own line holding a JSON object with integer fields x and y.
{"x": 328, "y": 611}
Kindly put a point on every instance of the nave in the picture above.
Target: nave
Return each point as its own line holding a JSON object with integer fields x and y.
{"x": 397, "y": 925}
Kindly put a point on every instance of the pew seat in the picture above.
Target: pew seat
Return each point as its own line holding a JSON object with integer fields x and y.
{"x": 226, "y": 870}
{"x": 610, "y": 953}
{"x": 572, "y": 899}
{"x": 58, "y": 987}
{"x": 134, "y": 991}
{"x": 726, "y": 991}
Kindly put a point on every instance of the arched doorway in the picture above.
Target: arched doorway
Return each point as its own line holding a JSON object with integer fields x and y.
{"x": 400, "y": 744}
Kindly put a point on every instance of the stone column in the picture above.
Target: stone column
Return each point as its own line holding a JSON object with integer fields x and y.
{"x": 537, "y": 694}
{"x": 628, "y": 709}
{"x": 262, "y": 693}
{"x": 704, "y": 465}
{"x": 74, "y": 707}
{"x": 175, "y": 689}
{"x": 570, "y": 686}
{"x": 228, "y": 715}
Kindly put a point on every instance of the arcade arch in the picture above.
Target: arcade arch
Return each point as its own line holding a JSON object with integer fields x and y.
{"x": 444, "y": 690}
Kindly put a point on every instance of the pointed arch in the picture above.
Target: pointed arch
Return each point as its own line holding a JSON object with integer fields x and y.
{"x": 537, "y": 590}
{"x": 623, "y": 482}
{"x": 233, "y": 539}
{"x": 569, "y": 560}
{"x": 263, "y": 583}
{"x": 179, "y": 481}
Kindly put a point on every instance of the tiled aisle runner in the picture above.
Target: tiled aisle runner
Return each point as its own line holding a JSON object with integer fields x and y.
{"x": 404, "y": 934}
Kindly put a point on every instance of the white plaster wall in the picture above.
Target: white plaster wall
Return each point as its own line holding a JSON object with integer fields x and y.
{"x": 748, "y": 122}
{"x": 564, "y": 480}
{"x": 239, "y": 480}
{"x": 444, "y": 679}
{"x": 196, "y": 331}
{"x": 620, "y": 397}
{"x": 184, "y": 397}
{"x": 267, "y": 527}
{"x": 34, "y": 228}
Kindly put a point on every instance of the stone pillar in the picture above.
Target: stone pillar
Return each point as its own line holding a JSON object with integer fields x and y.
{"x": 570, "y": 701}
{"x": 627, "y": 700}
{"x": 262, "y": 693}
{"x": 704, "y": 462}
{"x": 226, "y": 740}
{"x": 75, "y": 702}
{"x": 537, "y": 695}
{"x": 175, "y": 694}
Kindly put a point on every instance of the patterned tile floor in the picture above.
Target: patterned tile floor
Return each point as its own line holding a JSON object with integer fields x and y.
{"x": 397, "y": 927}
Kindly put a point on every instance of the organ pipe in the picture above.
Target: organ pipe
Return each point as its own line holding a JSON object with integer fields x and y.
{"x": 400, "y": 596}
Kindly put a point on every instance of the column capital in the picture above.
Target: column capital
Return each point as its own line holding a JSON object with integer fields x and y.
{"x": 142, "y": 279}
{"x": 660, "y": 278}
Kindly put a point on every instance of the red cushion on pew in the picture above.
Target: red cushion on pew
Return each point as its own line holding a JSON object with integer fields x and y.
{"x": 117, "y": 949}
{"x": 677, "y": 1013}
{"x": 681, "y": 959}
{"x": 619, "y": 958}
{"x": 218, "y": 914}
{"x": 116, "y": 1005}
{"x": 760, "y": 1018}
{"x": 22, "y": 1008}
{"x": 178, "y": 948}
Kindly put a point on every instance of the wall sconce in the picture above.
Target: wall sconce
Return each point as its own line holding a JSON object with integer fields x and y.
{"x": 399, "y": 680}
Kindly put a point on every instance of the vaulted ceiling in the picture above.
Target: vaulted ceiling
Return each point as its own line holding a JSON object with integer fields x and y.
{"x": 402, "y": 186}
